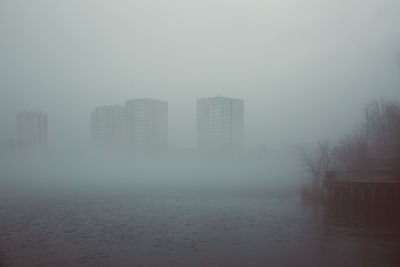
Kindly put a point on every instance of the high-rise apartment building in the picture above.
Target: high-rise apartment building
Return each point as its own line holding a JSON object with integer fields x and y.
{"x": 147, "y": 123}
{"x": 32, "y": 128}
{"x": 108, "y": 124}
{"x": 220, "y": 124}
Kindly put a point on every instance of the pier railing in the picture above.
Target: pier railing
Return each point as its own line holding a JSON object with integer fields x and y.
{"x": 350, "y": 186}
{"x": 363, "y": 176}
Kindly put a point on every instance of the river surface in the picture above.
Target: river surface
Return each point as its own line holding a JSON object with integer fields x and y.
{"x": 178, "y": 229}
{"x": 79, "y": 210}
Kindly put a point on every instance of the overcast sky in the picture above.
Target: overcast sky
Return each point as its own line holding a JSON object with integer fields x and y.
{"x": 303, "y": 67}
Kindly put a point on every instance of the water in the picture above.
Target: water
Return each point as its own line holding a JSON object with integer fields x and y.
{"x": 84, "y": 211}
{"x": 190, "y": 229}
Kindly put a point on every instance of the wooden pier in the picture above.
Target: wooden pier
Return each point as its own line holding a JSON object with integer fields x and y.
{"x": 362, "y": 186}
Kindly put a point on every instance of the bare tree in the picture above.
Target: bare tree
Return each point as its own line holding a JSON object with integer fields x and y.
{"x": 351, "y": 152}
{"x": 373, "y": 145}
{"x": 382, "y": 127}
{"x": 377, "y": 138}
{"x": 317, "y": 161}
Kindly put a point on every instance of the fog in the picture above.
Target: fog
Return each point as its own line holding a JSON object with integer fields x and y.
{"x": 303, "y": 68}
{"x": 50, "y": 174}
{"x": 293, "y": 62}
{"x": 82, "y": 185}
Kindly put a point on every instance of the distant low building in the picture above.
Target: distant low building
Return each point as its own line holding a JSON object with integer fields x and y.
{"x": 108, "y": 125}
{"x": 383, "y": 145}
{"x": 147, "y": 124}
{"x": 220, "y": 124}
{"x": 382, "y": 124}
{"x": 32, "y": 128}
{"x": 383, "y": 149}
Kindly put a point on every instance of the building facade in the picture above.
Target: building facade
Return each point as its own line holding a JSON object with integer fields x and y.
{"x": 32, "y": 128}
{"x": 108, "y": 125}
{"x": 147, "y": 124}
{"x": 220, "y": 124}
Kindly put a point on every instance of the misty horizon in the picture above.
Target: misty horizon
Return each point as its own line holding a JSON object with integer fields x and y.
{"x": 304, "y": 71}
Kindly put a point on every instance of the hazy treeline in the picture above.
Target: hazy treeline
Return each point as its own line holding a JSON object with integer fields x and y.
{"x": 376, "y": 140}
{"x": 373, "y": 145}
